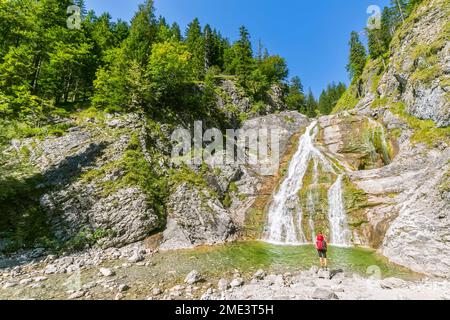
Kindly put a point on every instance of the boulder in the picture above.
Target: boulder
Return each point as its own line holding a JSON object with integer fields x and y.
{"x": 106, "y": 272}
{"x": 259, "y": 275}
{"x": 238, "y": 282}
{"x": 392, "y": 283}
{"x": 193, "y": 277}
{"x": 324, "y": 294}
{"x": 195, "y": 217}
{"x": 223, "y": 284}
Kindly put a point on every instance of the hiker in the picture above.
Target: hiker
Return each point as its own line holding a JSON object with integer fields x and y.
{"x": 321, "y": 245}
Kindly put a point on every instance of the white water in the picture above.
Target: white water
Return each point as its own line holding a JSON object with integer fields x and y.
{"x": 340, "y": 234}
{"x": 311, "y": 200}
{"x": 285, "y": 213}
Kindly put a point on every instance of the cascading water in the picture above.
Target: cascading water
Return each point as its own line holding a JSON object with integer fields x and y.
{"x": 340, "y": 234}
{"x": 311, "y": 200}
{"x": 285, "y": 213}
{"x": 285, "y": 208}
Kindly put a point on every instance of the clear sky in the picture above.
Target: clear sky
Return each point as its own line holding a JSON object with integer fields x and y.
{"x": 312, "y": 35}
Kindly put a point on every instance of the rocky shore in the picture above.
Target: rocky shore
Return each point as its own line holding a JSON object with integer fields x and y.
{"x": 133, "y": 273}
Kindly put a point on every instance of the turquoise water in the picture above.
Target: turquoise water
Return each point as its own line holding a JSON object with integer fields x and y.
{"x": 247, "y": 257}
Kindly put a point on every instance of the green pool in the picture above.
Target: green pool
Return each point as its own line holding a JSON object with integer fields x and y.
{"x": 247, "y": 257}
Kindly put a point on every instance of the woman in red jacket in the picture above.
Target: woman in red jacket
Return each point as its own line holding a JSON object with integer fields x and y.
{"x": 321, "y": 245}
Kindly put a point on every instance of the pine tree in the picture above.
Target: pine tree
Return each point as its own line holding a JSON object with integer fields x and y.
{"x": 357, "y": 57}
{"x": 176, "y": 32}
{"x": 295, "y": 99}
{"x": 196, "y": 46}
{"x": 143, "y": 33}
{"x": 311, "y": 105}
{"x": 243, "y": 56}
{"x": 329, "y": 97}
{"x": 209, "y": 46}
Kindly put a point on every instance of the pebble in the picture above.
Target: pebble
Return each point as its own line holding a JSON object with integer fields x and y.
{"x": 123, "y": 287}
{"x": 77, "y": 295}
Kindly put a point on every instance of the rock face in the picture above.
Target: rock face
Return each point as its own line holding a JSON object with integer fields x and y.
{"x": 212, "y": 212}
{"x": 359, "y": 142}
{"x": 195, "y": 218}
{"x": 77, "y": 205}
{"x": 419, "y": 68}
{"x": 406, "y": 214}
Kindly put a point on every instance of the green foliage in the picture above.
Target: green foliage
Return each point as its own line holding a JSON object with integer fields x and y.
{"x": 295, "y": 99}
{"x": 330, "y": 97}
{"x": 348, "y": 101}
{"x": 357, "y": 57}
{"x": 22, "y": 222}
{"x": 196, "y": 43}
{"x": 274, "y": 68}
{"x": 86, "y": 239}
{"x": 310, "y": 105}
{"x": 425, "y": 131}
{"x": 134, "y": 171}
{"x": 169, "y": 68}
{"x": 380, "y": 39}
{"x": 143, "y": 33}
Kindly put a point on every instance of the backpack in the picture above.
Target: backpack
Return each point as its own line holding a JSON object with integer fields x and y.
{"x": 321, "y": 244}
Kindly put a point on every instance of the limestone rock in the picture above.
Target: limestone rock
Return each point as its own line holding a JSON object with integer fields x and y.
{"x": 324, "y": 294}
{"x": 195, "y": 218}
{"x": 237, "y": 282}
{"x": 193, "y": 277}
{"x": 106, "y": 272}
{"x": 223, "y": 285}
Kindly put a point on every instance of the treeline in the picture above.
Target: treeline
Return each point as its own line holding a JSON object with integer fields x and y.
{"x": 146, "y": 65}
{"x": 379, "y": 39}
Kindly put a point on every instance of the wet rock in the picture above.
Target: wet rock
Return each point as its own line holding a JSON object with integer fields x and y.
{"x": 336, "y": 273}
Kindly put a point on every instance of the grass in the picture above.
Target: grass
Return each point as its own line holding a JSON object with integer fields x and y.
{"x": 425, "y": 131}
{"x": 348, "y": 101}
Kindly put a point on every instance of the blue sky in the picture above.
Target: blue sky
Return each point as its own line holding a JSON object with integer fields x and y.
{"x": 311, "y": 35}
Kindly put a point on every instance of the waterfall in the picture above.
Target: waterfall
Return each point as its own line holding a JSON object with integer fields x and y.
{"x": 340, "y": 234}
{"x": 282, "y": 227}
{"x": 311, "y": 198}
{"x": 285, "y": 213}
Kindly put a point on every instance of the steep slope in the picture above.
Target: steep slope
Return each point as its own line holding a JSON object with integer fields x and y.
{"x": 410, "y": 204}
